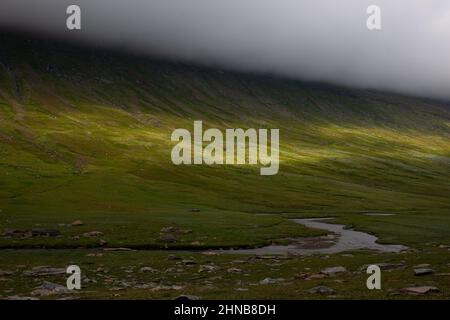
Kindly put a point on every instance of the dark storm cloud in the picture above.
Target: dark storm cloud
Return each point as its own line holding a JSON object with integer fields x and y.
{"x": 323, "y": 40}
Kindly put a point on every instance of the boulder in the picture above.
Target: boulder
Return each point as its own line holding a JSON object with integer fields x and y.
{"x": 321, "y": 290}
{"x": 169, "y": 238}
{"x": 271, "y": 280}
{"x": 49, "y": 288}
{"x": 333, "y": 271}
{"x": 92, "y": 234}
{"x": 77, "y": 223}
{"x": 420, "y": 290}
{"x": 148, "y": 269}
{"x": 45, "y": 271}
{"x": 423, "y": 271}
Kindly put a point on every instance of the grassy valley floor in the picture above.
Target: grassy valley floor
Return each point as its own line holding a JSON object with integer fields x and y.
{"x": 85, "y": 135}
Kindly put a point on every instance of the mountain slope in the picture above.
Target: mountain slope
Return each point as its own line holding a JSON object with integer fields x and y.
{"x": 85, "y": 133}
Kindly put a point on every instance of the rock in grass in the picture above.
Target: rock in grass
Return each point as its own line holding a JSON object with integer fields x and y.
{"x": 167, "y": 287}
{"x": 92, "y": 234}
{"x": 168, "y": 238}
{"x": 6, "y": 273}
{"x": 207, "y": 268}
{"x": 271, "y": 280}
{"x": 49, "y": 288}
{"x": 321, "y": 290}
{"x": 309, "y": 276}
{"x": 194, "y": 210}
{"x": 45, "y": 271}
{"x": 420, "y": 290}
{"x": 333, "y": 271}
{"x": 117, "y": 249}
{"x": 187, "y": 297}
{"x": 20, "y": 298}
{"x": 188, "y": 262}
{"x": 77, "y": 223}
{"x": 148, "y": 269}
{"x": 168, "y": 229}
{"x": 384, "y": 266}
{"x": 14, "y": 232}
{"x": 423, "y": 271}
{"x": 40, "y": 232}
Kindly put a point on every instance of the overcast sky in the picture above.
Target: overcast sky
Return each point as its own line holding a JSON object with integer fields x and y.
{"x": 324, "y": 40}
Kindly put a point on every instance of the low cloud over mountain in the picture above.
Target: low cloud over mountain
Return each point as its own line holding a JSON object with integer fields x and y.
{"x": 324, "y": 40}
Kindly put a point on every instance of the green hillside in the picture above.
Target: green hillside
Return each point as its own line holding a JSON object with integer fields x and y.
{"x": 85, "y": 134}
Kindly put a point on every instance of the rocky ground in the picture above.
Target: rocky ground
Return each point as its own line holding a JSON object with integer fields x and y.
{"x": 125, "y": 274}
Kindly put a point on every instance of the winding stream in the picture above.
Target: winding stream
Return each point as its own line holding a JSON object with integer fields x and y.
{"x": 340, "y": 240}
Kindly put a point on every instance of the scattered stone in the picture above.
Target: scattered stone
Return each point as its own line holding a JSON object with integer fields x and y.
{"x": 241, "y": 289}
{"x": 103, "y": 242}
{"x": 168, "y": 230}
{"x": 168, "y": 238}
{"x": 333, "y": 271}
{"x": 4, "y": 273}
{"x": 423, "y": 265}
{"x": 49, "y": 288}
{"x": 188, "y": 262}
{"x": 45, "y": 271}
{"x": 145, "y": 285}
{"x": 207, "y": 268}
{"x": 14, "y": 232}
{"x": 92, "y": 234}
{"x": 173, "y": 257}
{"x": 194, "y": 210}
{"x": 420, "y": 290}
{"x": 39, "y": 232}
{"x": 100, "y": 270}
{"x": 234, "y": 270}
{"x": 148, "y": 269}
{"x": 384, "y": 266}
{"x": 310, "y": 276}
{"x": 88, "y": 280}
{"x": 321, "y": 290}
{"x": 77, "y": 223}
{"x": 209, "y": 253}
{"x": 187, "y": 297}
{"x": 163, "y": 287}
{"x": 271, "y": 280}
{"x": 423, "y": 271}
{"x": 20, "y": 298}
{"x": 117, "y": 249}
